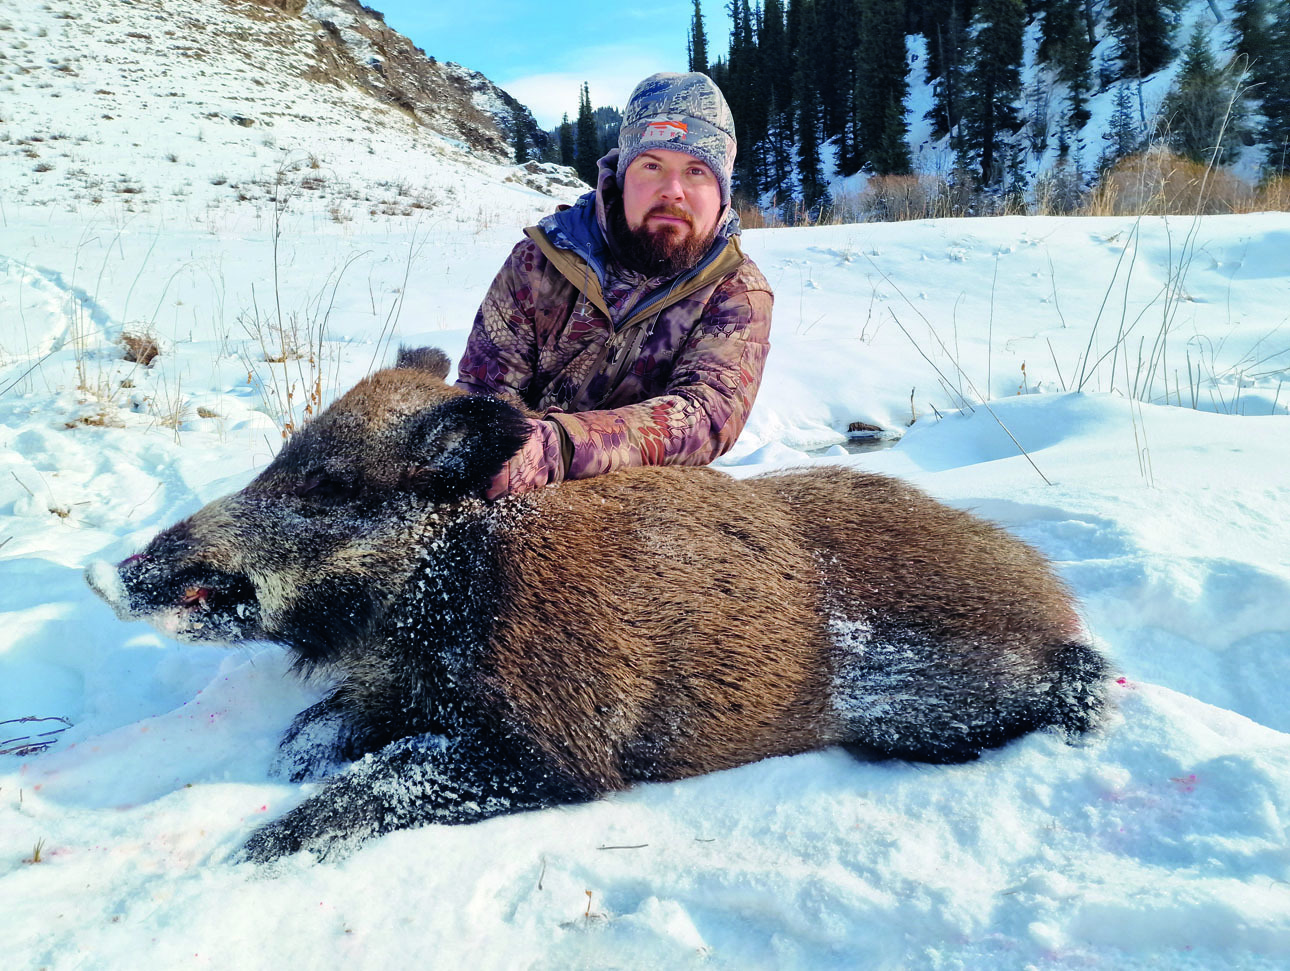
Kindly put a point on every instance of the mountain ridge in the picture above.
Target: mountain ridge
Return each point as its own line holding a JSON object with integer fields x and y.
{"x": 205, "y": 102}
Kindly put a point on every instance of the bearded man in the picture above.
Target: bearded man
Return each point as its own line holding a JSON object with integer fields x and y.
{"x": 631, "y": 322}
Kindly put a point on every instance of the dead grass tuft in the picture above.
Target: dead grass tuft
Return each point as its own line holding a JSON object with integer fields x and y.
{"x": 140, "y": 348}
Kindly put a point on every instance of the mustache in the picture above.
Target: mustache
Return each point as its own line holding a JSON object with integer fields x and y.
{"x": 672, "y": 212}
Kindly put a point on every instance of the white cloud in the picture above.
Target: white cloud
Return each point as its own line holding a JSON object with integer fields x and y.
{"x": 610, "y": 73}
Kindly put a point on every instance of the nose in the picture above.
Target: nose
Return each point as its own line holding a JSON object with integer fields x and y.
{"x": 671, "y": 187}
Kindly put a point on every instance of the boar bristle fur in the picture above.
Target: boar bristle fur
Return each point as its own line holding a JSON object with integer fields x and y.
{"x": 652, "y": 624}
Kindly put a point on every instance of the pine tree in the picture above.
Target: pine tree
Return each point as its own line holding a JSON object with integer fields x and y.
{"x": 776, "y": 56}
{"x": 1064, "y": 44}
{"x": 747, "y": 94}
{"x": 1143, "y": 32}
{"x": 948, "y": 43}
{"x": 588, "y": 143}
{"x": 881, "y": 83}
{"x": 521, "y": 141}
{"x": 566, "y": 141}
{"x": 1250, "y": 24}
{"x": 776, "y": 65}
{"x": 993, "y": 84}
{"x": 1202, "y": 112}
{"x": 891, "y": 154}
{"x": 810, "y": 177}
{"x": 1122, "y": 135}
{"x": 1275, "y": 93}
{"x": 698, "y": 43}
{"x": 1061, "y": 21}
{"x": 824, "y": 46}
{"x": 608, "y": 123}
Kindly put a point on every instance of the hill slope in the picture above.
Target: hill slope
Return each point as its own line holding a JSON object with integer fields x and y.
{"x": 189, "y": 105}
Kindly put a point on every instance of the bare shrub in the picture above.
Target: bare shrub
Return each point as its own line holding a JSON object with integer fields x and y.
{"x": 750, "y": 215}
{"x": 1159, "y": 183}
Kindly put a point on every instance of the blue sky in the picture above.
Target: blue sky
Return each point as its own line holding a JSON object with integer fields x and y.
{"x": 542, "y": 52}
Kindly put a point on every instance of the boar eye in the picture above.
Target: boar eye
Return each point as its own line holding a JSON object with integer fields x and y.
{"x": 322, "y": 487}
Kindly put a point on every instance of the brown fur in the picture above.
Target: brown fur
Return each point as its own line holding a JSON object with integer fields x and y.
{"x": 652, "y": 624}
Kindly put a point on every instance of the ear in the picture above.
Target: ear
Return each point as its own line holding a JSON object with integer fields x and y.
{"x": 457, "y": 447}
{"x": 429, "y": 359}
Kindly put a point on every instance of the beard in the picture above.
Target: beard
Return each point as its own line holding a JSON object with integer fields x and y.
{"x": 666, "y": 251}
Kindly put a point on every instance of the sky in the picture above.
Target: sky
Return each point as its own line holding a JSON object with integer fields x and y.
{"x": 543, "y": 59}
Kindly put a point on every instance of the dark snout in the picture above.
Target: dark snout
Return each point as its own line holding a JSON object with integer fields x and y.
{"x": 177, "y": 593}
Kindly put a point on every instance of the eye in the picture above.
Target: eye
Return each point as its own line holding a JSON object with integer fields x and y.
{"x": 324, "y": 487}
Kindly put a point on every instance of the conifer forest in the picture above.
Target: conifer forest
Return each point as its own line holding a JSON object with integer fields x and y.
{"x": 820, "y": 90}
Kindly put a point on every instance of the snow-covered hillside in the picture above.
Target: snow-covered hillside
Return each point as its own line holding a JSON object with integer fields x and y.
{"x": 189, "y": 109}
{"x": 1141, "y": 364}
{"x": 1044, "y": 106}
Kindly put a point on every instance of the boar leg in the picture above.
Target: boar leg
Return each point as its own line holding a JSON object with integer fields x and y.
{"x": 318, "y": 744}
{"x": 413, "y": 782}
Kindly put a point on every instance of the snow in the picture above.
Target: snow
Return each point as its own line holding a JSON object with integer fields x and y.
{"x": 1160, "y": 842}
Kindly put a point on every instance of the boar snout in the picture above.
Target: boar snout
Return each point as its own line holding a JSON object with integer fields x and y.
{"x": 105, "y": 581}
{"x": 191, "y": 602}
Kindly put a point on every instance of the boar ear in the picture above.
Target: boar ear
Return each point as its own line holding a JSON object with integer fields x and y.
{"x": 429, "y": 359}
{"x": 458, "y": 446}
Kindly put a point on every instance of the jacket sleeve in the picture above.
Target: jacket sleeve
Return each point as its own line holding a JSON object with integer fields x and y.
{"x": 502, "y": 346}
{"x": 714, "y": 382}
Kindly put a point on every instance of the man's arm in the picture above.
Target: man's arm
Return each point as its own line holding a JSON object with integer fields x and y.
{"x": 697, "y": 418}
{"x": 499, "y": 359}
{"x": 706, "y": 403}
{"x": 502, "y": 346}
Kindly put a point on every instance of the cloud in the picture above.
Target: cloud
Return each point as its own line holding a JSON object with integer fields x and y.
{"x": 610, "y": 72}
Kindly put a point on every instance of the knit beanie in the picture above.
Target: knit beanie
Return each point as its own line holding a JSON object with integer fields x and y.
{"x": 680, "y": 113}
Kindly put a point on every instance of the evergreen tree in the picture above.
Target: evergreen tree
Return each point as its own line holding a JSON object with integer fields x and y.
{"x": 566, "y": 141}
{"x": 825, "y": 45}
{"x": 747, "y": 94}
{"x": 777, "y": 70}
{"x": 891, "y": 155}
{"x": 776, "y": 56}
{"x": 608, "y": 122}
{"x": 1064, "y": 44}
{"x": 993, "y": 84}
{"x": 1202, "y": 112}
{"x": 881, "y": 83}
{"x": 1274, "y": 90}
{"x": 948, "y": 42}
{"x": 698, "y": 42}
{"x": 521, "y": 141}
{"x": 587, "y": 143}
{"x": 810, "y": 177}
{"x": 1061, "y": 21}
{"x": 1250, "y": 24}
{"x": 1143, "y": 32}
{"x": 1122, "y": 135}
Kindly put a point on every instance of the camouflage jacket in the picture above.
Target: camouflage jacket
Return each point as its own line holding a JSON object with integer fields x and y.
{"x": 630, "y": 370}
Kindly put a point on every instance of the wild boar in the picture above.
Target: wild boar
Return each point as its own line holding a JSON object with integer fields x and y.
{"x": 650, "y": 624}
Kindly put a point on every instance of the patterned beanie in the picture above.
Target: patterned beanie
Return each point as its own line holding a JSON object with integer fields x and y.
{"x": 680, "y": 113}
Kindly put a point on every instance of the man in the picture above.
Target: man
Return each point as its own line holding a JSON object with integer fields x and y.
{"x": 631, "y": 322}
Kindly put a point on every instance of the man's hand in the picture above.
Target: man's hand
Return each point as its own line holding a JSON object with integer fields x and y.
{"x": 538, "y": 463}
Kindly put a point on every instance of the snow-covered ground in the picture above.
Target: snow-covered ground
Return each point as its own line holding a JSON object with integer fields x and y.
{"x": 1161, "y": 843}
{"x": 1140, "y": 364}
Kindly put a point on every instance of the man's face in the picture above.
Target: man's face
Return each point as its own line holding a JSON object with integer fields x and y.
{"x": 670, "y": 194}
